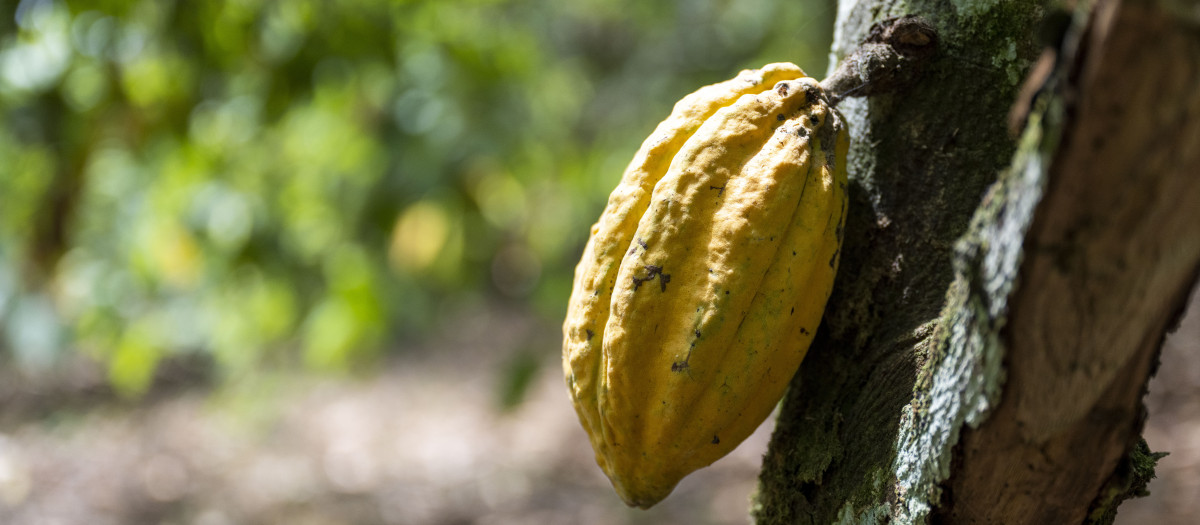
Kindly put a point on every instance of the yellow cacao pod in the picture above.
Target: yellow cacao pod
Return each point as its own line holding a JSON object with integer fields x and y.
{"x": 705, "y": 278}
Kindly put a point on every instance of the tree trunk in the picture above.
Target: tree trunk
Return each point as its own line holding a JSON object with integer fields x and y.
{"x": 1000, "y": 303}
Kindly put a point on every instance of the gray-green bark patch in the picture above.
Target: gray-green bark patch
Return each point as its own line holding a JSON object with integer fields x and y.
{"x": 920, "y": 162}
{"x": 963, "y": 380}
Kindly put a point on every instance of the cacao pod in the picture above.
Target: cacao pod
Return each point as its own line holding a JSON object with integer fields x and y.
{"x": 706, "y": 276}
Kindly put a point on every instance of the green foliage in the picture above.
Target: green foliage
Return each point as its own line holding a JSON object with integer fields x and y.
{"x": 515, "y": 378}
{"x": 263, "y": 179}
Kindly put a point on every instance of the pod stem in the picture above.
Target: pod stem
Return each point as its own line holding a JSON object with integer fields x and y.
{"x": 893, "y": 55}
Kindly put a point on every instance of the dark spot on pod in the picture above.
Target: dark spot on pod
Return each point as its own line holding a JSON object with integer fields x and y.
{"x": 782, "y": 89}
{"x": 679, "y": 366}
{"x": 652, "y": 272}
{"x": 697, "y": 334}
{"x": 726, "y": 292}
{"x": 812, "y": 119}
{"x": 810, "y": 94}
{"x": 780, "y": 117}
{"x": 801, "y": 132}
{"x": 789, "y": 313}
{"x": 716, "y": 440}
{"x": 803, "y": 330}
{"x": 640, "y": 242}
{"x": 590, "y": 334}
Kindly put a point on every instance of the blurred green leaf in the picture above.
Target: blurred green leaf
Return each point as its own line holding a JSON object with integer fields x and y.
{"x": 131, "y": 367}
{"x": 516, "y": 377}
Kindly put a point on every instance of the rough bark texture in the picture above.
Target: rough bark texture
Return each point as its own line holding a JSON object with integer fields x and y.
{"x": 1027, "y": 321}
{"x": 1108, "y": 262}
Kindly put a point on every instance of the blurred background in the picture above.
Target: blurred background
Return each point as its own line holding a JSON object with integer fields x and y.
{"x": 305, "y": 261}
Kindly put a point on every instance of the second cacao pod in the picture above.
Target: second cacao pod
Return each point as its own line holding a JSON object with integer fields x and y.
{"x": 705, "y": 278}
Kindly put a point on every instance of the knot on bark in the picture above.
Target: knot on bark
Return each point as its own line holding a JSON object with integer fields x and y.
{"x": 892, "y": 56}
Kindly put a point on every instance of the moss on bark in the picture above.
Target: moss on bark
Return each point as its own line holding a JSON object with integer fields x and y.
{"x": 920, "y": 162}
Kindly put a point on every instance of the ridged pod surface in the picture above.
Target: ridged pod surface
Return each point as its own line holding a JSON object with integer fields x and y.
{"x": 705, "y": 278}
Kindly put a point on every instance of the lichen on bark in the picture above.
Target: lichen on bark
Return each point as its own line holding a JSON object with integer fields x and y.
{"x": 962, "y": 381}
{"x": 920, "y": 161}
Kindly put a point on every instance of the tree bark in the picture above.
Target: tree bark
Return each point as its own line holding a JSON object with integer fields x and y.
{"x": 1000, "y": 305}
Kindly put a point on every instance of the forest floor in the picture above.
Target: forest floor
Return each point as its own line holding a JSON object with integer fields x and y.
{"x": 427, "y": 439}
{"x": 435, "y": 436}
